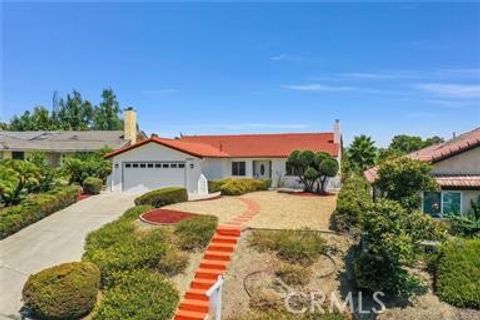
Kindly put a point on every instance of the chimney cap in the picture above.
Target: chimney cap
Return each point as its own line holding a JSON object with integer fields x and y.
{"x": 130, "y": 109}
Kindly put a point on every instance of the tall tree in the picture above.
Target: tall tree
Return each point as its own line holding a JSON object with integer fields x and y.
{"x": 362, "y": 153}
{"x": 403, "y": 144}
{"x": 75, "y": 113}
{"x": 107, "y": 114}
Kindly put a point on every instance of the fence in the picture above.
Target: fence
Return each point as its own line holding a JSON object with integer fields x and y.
{"x": 214, "y": 295}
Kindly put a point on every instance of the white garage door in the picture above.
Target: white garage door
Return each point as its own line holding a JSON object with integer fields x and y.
{"x": 146, "y": 176}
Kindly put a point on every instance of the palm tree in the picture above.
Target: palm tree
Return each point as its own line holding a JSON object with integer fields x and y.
{"x": 362, "y": 153}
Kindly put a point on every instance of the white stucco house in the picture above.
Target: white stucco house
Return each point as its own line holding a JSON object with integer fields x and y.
{"x": 188, "y": 160}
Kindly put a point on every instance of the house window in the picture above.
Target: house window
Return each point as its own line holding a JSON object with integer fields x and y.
{"x": 128, "y": 165}
{"x": 181, "y": 165}
{"x": 135, "y": 165}
{"x": 158, "y": 165}
{"x": 150, "y": 165}
{"x": 165, "y": 165}
{"x": 451, "y": 202}
{"x": 238, "y": 168}
{"x": 289, "y": 169}
{"x": 142, "y": 165}
{"x": 442, "y": 203}
{"x": 173, "y": 165}
{"x": 18, "y": 155}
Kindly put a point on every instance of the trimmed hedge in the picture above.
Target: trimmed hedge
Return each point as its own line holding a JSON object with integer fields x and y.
{"x": 195, "y": 233}
{"x": 120, "y": 246}
{"x": 34, "y": 208}
{"x": 238, "y": 186}
{"x": 457, "y": 276}
{"x": 66, "y": 291}
{"x": 353, "y": 200}
{"x": 138, "y": 295}
{"x": 140, "y": 251}
{"x": 92, "y": 185}
{"x": 162, "y": 197}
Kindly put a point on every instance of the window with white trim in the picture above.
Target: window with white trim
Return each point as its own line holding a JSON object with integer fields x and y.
{"x": 238, "y": 168}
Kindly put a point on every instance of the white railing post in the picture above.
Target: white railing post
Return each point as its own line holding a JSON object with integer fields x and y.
{"x": 214, "y": 295}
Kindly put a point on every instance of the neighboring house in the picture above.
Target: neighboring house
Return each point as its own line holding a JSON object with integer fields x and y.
{"x": 456, "y": 168}
{"x": 57, "y": 144}
{"x": 188, "y": 160}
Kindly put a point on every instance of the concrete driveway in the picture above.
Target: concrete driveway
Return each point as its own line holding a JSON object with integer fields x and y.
{"x": 53, "y": 240}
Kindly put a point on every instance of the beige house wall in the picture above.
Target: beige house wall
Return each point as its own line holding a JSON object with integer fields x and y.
{"x": 464, "y": 163}
{"x": 5, "y": 154}
{"x": 467, "y": 197}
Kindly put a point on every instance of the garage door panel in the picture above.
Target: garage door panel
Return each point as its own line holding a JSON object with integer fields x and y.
{"x": 147, "y": 176}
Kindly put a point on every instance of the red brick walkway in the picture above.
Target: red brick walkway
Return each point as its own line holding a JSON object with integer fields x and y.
{"x": 194, "y": 305}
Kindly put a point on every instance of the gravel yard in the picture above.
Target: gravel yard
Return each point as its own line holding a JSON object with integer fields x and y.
{"x": 289, "y": 211}
{"x": 277, "y": 210}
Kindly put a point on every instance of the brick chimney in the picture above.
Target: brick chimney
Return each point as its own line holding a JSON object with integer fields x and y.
{"x": 337, "y": 135}
{"x": 130, "y": 125}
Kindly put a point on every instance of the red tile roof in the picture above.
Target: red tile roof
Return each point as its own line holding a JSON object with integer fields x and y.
{"x": 438, "y": 152}
{"x": 459, "y": 181}
{"x": 247, "y": 145}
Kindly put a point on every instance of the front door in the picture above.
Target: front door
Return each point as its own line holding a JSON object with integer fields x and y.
{"x": 261, "y": 169}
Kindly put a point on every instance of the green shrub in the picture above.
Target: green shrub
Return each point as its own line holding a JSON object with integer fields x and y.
{"x": 34, "y": 208}
{"x": 195, "y": 233}
{"x": 457, "y": 276}
{"x": 118, "y": 231}
{"x": 388, "y": 245}
{"x": 140, "y": 251}
{"x": 284, "y": 315}
{"x": 353, "y": 200}
{"x": 293, "y": 274}
{"x": 239, "y": 186}
{"x": 214, "y": 185}
{"x": 295, "y": 246}
{"x": 66, "y": 291}
{"x": 162, "y": 197}
{"x": 92, "y": 185}
{"x": 138, "y": 295}
{"x": 172, "y": 263}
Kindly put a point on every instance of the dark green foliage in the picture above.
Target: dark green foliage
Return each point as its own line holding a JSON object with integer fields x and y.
{"x": 236, "y": 187}
{"x": 105, "y": 116}
{"x": 353, "y": 200}
{"x": 195, "y": 233}
{"x": 162, "y": 197}
{"x": 74, "y": 113}
{"x": 404, "y": 144}
{"x": 313, "y": 168}
{"x": 388, "y": 245}
{"x": 401, "y": 179}
{"x": 66, "y": 291}
{"x": 294, "y": 246}
{"x": 457, "y": 278}
{"x": 18, "y": 178}
{"x": 468, "y": 225}
{"x": 81, "y": 166}
{"x": 138, "y": 295}
{"x": 120, "y": 246}
{"x": 214, "y": 185}
{"x": 92, "y": 185}
{"x": 142, "y": 250}
{"x": 362, "y": 153}
{"x": 34, "y": 208}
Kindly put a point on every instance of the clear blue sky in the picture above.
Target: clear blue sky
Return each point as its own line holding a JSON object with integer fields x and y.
{"x": 383, "y": 69}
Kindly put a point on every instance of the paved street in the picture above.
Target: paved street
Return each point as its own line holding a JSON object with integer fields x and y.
{"x": 53, "y": 240}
